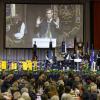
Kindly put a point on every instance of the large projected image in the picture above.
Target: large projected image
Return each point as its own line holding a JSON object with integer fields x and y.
{"x": 27, "y": 24}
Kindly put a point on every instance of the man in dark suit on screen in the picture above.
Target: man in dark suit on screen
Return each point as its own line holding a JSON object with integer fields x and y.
{"x": 47, "y": 27}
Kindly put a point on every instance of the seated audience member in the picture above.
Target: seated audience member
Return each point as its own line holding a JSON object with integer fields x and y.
{"x": 16, "y": 95}
{"x": 14, "y": 87}
{"x": 7, "y": 83}
{"x": 85, "y": 94}
{"x": 98, "y": 81}
{"x": 53, "y": 93}
{"x": 67, "y": 95}
{"x": 24, "y": 90}
{"x": 60, "y": 87}
{"x": 7, "y": 96}
{"x": 93, "y": 91}
{"x": 26, "y": 96}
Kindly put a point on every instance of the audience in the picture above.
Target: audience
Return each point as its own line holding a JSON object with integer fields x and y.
{"x": 67, "y": 86}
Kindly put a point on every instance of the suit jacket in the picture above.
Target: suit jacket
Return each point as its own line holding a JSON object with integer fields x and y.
{"x": 43, "y": 27}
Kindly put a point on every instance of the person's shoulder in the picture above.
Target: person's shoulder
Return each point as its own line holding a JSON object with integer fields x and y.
{"x": 64, "y": 95}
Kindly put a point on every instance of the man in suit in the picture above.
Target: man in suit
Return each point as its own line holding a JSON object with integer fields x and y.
{"x": 47, "y": 27}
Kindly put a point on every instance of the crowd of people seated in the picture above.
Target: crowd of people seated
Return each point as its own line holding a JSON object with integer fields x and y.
{"x": 67, "y": 86}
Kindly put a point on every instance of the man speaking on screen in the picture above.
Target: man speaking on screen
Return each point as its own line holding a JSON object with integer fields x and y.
{"x": 47, "y": 27}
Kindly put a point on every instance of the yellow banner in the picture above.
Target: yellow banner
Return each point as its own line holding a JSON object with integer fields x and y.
{"x": 29, "y": 64}
{"x": 0, "y": 65}
{"x": 13, "y": 66}
{"x": 3, "y": 65}
{"x": 24, "y": 65}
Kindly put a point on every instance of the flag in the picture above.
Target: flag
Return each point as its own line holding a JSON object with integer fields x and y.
{"x": 63, "y": 48}
{"x": 75, "y": 44}
{"x": 34, "y": 51}
{"x": 49, "y": 54}
{"x": 87, "y": 49}
{"x": 50, "y": 45}
{"x": 35, "y": 65}
{"x": 92, "y": 57}
{"x": 50, "y": 51}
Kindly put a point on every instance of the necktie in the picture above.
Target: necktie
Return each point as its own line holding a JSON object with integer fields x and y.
{"x": 48, "y": 31}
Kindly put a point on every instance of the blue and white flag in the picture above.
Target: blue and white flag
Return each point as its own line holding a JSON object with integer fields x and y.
{"x": 92, "y": 57}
